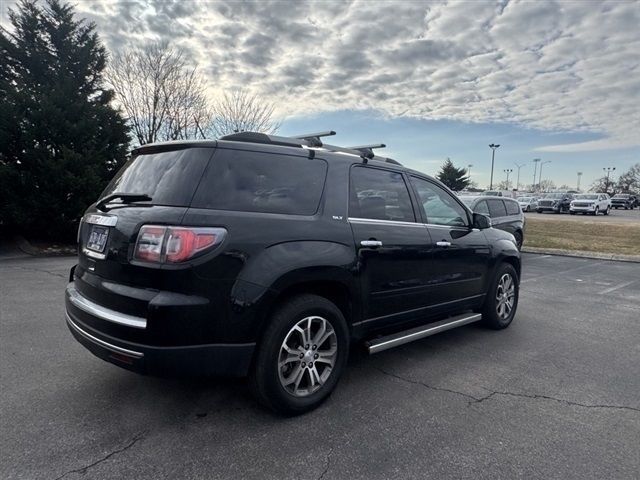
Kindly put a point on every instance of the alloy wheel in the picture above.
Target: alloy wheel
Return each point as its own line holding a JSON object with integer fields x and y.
{"x": 307, "y": 356}
{"x": 505, "y": 296}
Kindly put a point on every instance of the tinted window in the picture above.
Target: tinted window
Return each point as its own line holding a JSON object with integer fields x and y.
{"x": 496, "y": 208}
{"x": 169, "y": 178}
{"x": 440, "y": 207}
{"x": 512, "y": 208}
{"x": 481, "y": 207}
{"x": 261, "y": 182}
{"x": 380, "y": 195}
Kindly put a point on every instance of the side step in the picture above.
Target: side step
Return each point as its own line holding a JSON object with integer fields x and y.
{"x": 400, "y": 338}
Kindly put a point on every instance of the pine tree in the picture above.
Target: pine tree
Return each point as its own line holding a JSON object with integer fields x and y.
{"x": 60, "y": 139}
{"x": 454, "y": 178}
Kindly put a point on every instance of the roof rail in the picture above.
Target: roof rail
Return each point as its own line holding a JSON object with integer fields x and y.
{"x": 314, "y": 138}
{"x": 310, "y": 140}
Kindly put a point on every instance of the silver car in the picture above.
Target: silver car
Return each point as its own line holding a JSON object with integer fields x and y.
{"x": 528, "y": 203}
{"x": 590, "y": 203}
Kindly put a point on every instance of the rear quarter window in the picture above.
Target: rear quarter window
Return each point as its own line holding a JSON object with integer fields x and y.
{"x": 512, "y": 208}
{"x": 247, "y": 181}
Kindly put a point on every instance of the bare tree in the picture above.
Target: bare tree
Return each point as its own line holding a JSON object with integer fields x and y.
{"x": 162, "y": 96}
{"x": 241, "y": 111}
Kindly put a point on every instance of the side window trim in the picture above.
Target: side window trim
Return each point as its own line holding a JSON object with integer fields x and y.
{"x": 355, "y": 219}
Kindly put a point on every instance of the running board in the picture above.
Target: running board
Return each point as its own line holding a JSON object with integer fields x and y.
{"x": 400, "y": 338}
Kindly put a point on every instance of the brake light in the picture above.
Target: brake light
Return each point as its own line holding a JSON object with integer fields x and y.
{"x": 162, "y": 244}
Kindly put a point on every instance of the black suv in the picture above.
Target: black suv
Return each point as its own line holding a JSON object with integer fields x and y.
{"x": 623, "y": 200}
{"x": 271, "y": 256}
{"x": 554, "y": 202}
{"x": 505, "y": 213}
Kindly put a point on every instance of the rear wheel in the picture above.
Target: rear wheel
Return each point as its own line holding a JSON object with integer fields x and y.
{"x": 502, "y": 298}
{"x": 301, "y": 356}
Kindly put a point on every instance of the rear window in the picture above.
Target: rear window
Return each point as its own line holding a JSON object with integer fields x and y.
{"x": 169, "y": 178}
{"x": 261, "y": 182}
{"x": 512, "y": 208}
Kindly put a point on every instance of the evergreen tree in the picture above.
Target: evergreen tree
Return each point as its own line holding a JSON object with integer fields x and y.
{"x": 60, "y": 140}
{"x": 454, "y": 178}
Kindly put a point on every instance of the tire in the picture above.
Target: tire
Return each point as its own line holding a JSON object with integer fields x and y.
{"x": 596, "y": 211}
{"x": 491, "y": 317}
{"x": 571, "y": 213}
{"x": 606, "y": 212}
{"x": 312, "y": 385}
{"x": 528, "y": 208}
{"x": 539, "y": 211}
{"x": 518, "y": 237}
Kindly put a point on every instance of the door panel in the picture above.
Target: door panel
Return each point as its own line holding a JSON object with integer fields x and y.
{"x": 393, "y": 249}
{"x": 460, "y": 254}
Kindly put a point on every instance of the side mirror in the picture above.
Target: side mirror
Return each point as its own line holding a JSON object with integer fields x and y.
{"x": 481, "y": 221}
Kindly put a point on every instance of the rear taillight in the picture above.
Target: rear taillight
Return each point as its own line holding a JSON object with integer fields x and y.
{"x": 162, "y": 244}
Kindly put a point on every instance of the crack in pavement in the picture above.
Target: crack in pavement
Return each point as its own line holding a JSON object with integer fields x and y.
{"x": 41, "y": 271}
{"x": 431, "y": 387}
{"x": 492, "y": 393}
{"x": 328, "y": 460}
{"x": 84, "y": 469}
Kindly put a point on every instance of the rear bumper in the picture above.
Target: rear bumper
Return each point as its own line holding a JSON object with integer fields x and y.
{"x": 195, "y": 360}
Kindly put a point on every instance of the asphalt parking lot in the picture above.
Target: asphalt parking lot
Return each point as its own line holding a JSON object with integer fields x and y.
{"x": 557, "y": 395}
{"x": 615, "y": 216}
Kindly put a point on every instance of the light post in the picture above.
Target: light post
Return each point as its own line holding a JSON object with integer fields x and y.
{"x": 508, "y": 171}
{"x": 608, "y": 170}
{"x": 535, "y": 169}
{"x": 518, "y": 181}
{"x": 493, "y": 148}
{"x": 469, "y": 171}
{"x": 579, "y": 175}
{"x": 541, "y": 164}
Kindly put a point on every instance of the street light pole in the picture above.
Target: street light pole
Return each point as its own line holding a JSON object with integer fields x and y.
{"x": 535, "y": 169}
{"x": 541, "y": 164}
{"x": 608, "y": 170}
{"x": 493, "y": 148}
{"x": 579, "y": 175}
{"x": 508, "y": 171}
{"x": 518, "y": 181}
{"x": 469, "y": 171}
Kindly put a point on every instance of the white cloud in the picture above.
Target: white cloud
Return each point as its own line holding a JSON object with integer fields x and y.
{"x": 561, "y": 66}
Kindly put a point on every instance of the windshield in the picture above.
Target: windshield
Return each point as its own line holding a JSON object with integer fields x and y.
{"x": 524, "y": 199}
{"x": 553, "y": 195}
{"x": 467, "y": 200}
{"x": 586, "y": 197}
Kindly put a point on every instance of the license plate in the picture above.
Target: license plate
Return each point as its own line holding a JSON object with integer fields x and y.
{"x": 98, "y": 238}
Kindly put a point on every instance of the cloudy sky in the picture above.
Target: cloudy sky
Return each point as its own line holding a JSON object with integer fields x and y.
{"x": 557, "y": 80}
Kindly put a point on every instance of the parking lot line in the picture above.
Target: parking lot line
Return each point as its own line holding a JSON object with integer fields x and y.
{"x": 562, "y": 271}
{"x": 616, "y": 287}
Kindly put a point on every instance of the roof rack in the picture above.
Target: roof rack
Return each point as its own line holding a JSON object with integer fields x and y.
{"x": 311, "y": 140}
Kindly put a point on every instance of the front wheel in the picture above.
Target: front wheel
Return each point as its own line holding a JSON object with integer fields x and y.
{"x": 606, "y": 212}
{"x": 301, "y": 356}
{"x": 502, "y": 298}
{"x": 595, "y": 213}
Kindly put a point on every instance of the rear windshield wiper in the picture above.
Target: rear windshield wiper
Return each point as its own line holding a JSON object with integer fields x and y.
{"x": 125, "y": 197}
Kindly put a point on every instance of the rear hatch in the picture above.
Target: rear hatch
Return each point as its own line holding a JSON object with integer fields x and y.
{"x": 156, "y": 187}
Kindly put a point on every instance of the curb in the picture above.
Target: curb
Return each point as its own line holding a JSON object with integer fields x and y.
{"x": 582, "y": 254}
{"x": 25, "y": 246}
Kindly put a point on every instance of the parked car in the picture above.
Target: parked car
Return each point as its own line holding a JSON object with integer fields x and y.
{"x": 498, "y": 193}
{"x": 505, "y": 214}
{"x": 528, "y": 203}
{"x": 270, "y": 256}
{"x": 590, "y": 203}
{"x": 554, "y": 202}
{"x": 623, "y": 200}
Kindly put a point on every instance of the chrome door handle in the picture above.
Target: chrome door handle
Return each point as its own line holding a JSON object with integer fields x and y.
{"x": 443, "y": 244}
{"x": 371, "y": 243}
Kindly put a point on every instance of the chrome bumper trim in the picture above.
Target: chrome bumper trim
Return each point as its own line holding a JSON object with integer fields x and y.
{"x": 103, "y": 313}
{"x": 102, "y": 343}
